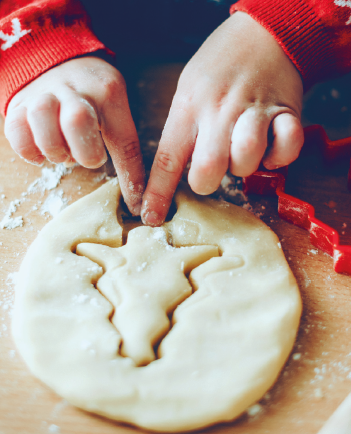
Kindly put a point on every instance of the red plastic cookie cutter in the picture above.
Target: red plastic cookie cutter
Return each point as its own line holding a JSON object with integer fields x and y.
{"x": 300, "y": 213}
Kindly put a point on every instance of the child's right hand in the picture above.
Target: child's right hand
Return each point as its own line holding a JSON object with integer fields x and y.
{"x": 71, "y": 112}
{"x": 236, "y": 87}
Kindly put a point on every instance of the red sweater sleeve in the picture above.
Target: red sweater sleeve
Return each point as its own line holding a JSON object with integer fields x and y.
{"x": 36, "y": 35}
{"x": 315, "y": 34}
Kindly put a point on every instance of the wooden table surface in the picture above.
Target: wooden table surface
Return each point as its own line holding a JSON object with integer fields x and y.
{"x": 310, "y": 387}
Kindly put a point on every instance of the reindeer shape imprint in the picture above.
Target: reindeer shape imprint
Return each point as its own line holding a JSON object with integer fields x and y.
{"x": 142, "y": 303}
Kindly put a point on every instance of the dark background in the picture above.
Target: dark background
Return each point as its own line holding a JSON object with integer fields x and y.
{"x": 144, "y": 32}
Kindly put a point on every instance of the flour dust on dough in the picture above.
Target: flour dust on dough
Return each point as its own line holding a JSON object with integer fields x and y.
{"x": 184, "y": 326}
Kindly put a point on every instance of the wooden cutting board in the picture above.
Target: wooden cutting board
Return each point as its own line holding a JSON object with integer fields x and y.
{"x": 316, "y": 378}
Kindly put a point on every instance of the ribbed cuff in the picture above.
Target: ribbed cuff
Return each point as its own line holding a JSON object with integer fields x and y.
{"x": 39, "y": 51}
{"x": 298, "y": 30}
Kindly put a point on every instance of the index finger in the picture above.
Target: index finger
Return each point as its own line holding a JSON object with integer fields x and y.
{"x": 121, "y": 139}
{"x": 175, "y": 148}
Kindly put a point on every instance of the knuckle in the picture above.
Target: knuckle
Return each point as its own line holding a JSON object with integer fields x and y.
{"x": 160, "y": 198}
{"x": 221, "y": 100}
{"x": 168, "y": 163}
{"x": 15, "y": 119}
{"x": 81, "y": 115}
{"x": 183, "y": 101}
{"x": 135, "y": 189}
{"x": 113, "y": 85}
{"x": 186, "y": 76}
{"x": 41, "y": 104}
{"x": 13, "y": 124}
{"x": 130, "y": 150}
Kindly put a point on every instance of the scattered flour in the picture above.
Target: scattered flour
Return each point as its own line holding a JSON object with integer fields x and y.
{"x": 160, "y": 235}
{"x": 94, "y": 302}
{"x": 254, "y": 410}
{"x": 58, "y": 408}
{"x": 12, "y": 278}
{"x": 54, "y": 203}
{"x": 249, "y": 208}
{"x": 9, "y": 222}
{"x": 85, "y": 344}
{"x": 307, "y": 279}
{"x": 49, "y": 180}
{"x": 141, "y": 267}
{"x": 230, "y": 188}
{"x": 318, "y": 393}
{"x": 226, "y": 182}
{"x": 54, "y": 429}
{"x": 104, "y": 176}
{"x": 100, "y": 177}
{"x": 7, "y": 295}
{"x": 81, "y": 298}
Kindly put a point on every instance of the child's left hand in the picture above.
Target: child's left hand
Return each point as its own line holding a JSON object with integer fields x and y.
{"x": 236, "y": 86}
{"x": 70, "y": 113}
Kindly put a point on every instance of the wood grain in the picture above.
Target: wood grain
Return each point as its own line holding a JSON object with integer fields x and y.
{"x": 308, "y": 390}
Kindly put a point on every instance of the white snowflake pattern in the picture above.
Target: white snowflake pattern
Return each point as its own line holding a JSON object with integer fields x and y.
{"x": 15, "y": 36}
{"x": 344, "y": 3}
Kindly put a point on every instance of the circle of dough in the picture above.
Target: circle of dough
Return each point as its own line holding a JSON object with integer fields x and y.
{"x": 229, "y": 341}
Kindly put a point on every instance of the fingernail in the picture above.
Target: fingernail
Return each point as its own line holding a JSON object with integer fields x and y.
{"x": 270, "y": 166}
{"x": 104, "y": 159}
{"x": 136, "y": 209}
{"x": 38, "y": 161}
{"x": 152, "y": 219}
{"x": 101, "y": 163}
{"x": 58, "y": 159}
{"x": 70, "y": 162}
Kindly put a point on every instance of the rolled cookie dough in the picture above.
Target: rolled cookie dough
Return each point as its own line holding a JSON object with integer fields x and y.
{"x": 93, "y": 320}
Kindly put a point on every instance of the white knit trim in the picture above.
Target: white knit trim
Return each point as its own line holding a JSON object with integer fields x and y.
{"x": 344, "y": 3}
{"x": 15, "y": 36}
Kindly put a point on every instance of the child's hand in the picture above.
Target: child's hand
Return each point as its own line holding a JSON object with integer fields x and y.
{"x": 73, "y": 111}
{"x": 238, "y": 84}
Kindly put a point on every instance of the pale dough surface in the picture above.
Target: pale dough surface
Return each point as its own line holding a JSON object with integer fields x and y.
{"x": 88, "y": 312}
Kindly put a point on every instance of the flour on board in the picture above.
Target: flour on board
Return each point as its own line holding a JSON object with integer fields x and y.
{"x": 49, "y": 180}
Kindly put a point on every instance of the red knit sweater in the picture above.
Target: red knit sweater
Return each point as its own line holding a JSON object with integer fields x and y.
{"x": 36, "y": 35}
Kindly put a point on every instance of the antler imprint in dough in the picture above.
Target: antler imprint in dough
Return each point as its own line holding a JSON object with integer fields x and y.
{"x": 145, "y": 280}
